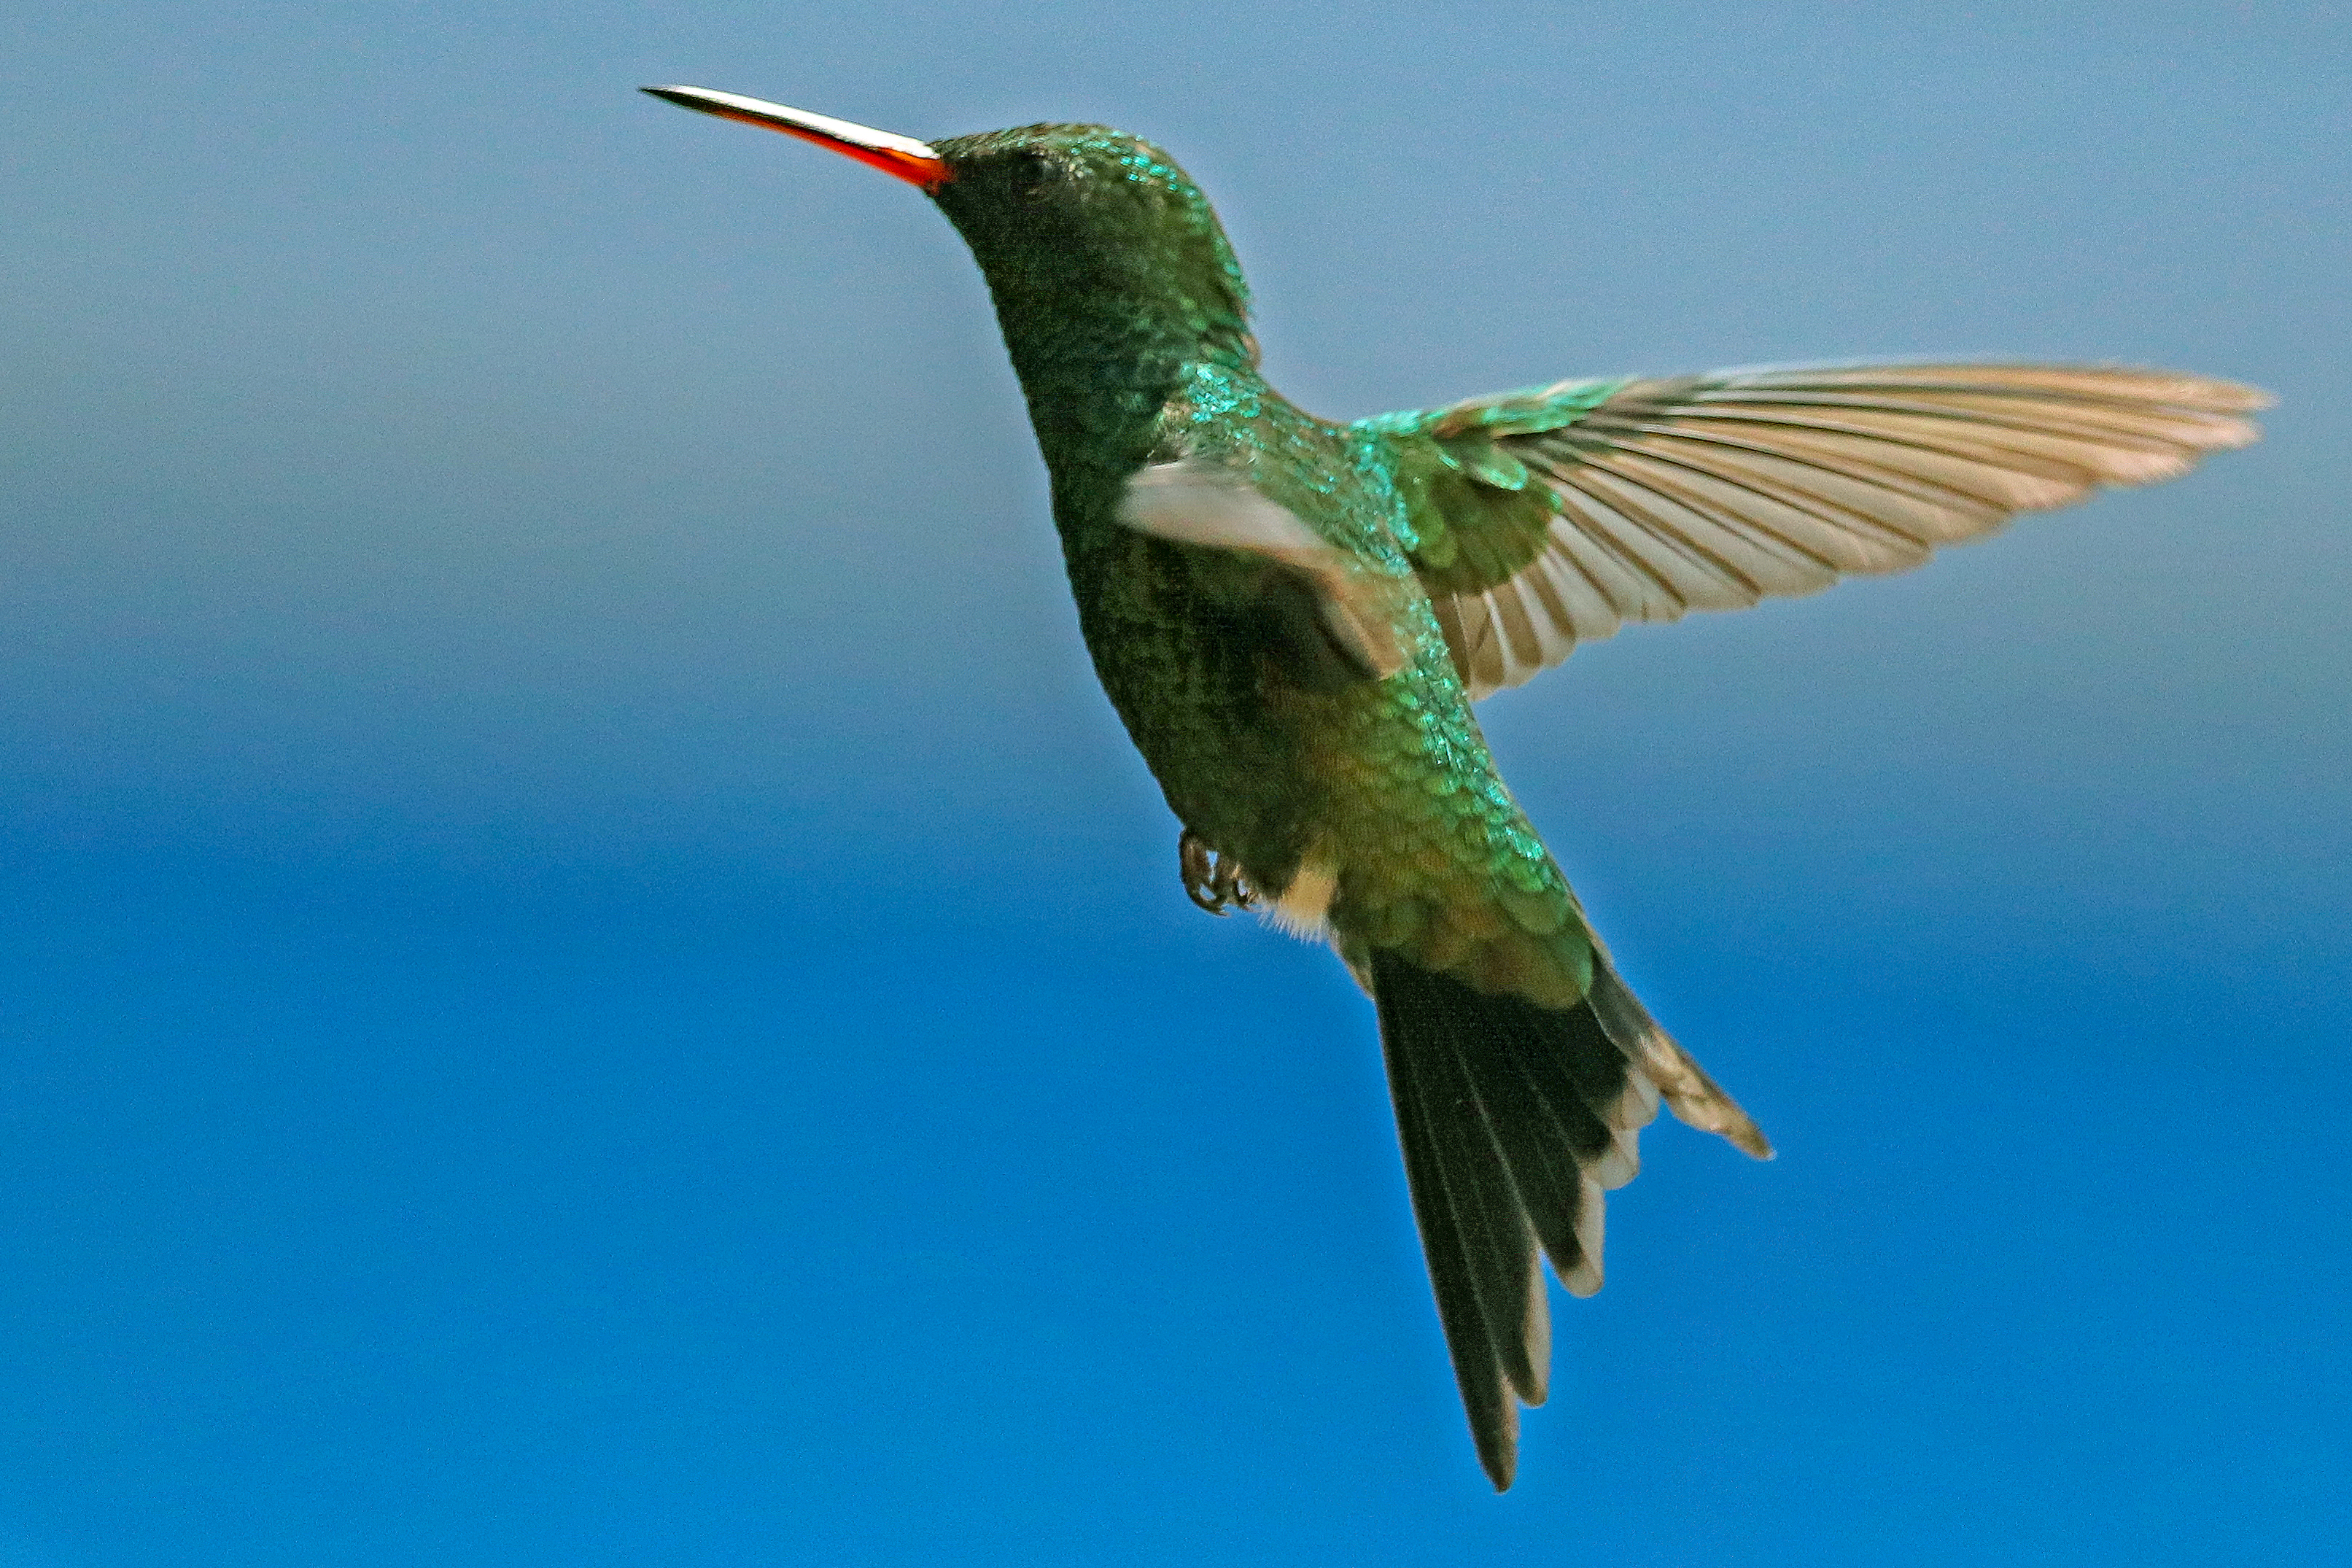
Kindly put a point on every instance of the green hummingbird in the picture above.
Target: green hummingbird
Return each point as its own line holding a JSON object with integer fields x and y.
{"x": 1293, "y": 617}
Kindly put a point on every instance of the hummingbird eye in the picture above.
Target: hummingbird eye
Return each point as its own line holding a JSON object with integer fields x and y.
{"x": 1029, "y": 173}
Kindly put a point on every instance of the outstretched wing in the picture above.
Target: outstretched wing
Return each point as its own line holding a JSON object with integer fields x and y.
{"x": 1553, "y": 516}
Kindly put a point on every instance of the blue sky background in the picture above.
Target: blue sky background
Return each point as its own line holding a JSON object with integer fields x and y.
{"x": 589, "y": 979}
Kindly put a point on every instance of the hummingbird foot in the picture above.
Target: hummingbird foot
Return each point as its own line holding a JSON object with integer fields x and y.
{"x": 1212, "y": 880}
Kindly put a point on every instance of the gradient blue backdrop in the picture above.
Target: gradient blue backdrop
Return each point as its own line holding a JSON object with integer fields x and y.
{"x": 589, "y": 980}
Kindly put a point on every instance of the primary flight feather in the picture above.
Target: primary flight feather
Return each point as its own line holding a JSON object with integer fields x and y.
{"x": 1291, "y": 616}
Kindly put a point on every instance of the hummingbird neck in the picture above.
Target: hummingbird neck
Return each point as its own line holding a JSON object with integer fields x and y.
{"x": 1097, "y": 379}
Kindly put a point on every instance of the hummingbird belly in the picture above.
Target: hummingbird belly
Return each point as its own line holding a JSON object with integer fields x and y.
{"x": 1375, "y": 805}
{"x": 1187, "y": 666}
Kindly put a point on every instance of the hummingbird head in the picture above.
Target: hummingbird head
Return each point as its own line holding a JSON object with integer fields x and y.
{"x": 1071, "y": 224}
{"x": 1061, "y": 215}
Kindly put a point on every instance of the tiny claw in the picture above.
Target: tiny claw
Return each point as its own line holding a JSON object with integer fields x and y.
{"x": 1192, "y": 865}
{"x": 1212, "y": 881}
{"x": 1230, "y": 885}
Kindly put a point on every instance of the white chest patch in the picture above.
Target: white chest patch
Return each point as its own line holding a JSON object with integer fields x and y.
{"x": 1304, "y": 907}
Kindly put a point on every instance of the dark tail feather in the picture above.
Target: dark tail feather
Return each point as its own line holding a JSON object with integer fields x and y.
{"x": 1514, "y": 1119}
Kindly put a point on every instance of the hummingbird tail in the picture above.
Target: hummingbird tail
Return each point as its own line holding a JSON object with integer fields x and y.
{"x": 1515, "y": 1118}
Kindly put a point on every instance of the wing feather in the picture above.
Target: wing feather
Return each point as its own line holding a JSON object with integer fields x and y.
{"x": 1717, "y": 491}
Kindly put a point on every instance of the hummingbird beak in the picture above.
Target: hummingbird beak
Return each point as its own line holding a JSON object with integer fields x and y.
{"x": 911, "y": 160}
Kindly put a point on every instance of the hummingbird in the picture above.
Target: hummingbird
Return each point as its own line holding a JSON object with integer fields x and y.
{"x": 1293, "y": 617}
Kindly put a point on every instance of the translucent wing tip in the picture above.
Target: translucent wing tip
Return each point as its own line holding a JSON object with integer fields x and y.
{"x": 2139, "y": 384}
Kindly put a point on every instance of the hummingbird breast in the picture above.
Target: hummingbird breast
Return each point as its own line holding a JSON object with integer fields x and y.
{"x": 1194, "y": 669}
{"x": 1212, "y": 657}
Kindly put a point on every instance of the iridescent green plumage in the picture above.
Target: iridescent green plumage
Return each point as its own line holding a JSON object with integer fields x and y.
{"x": 1363, "y": 797}
{"x": 1293, "y": 617}
{"x": 1125, "y": 319}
